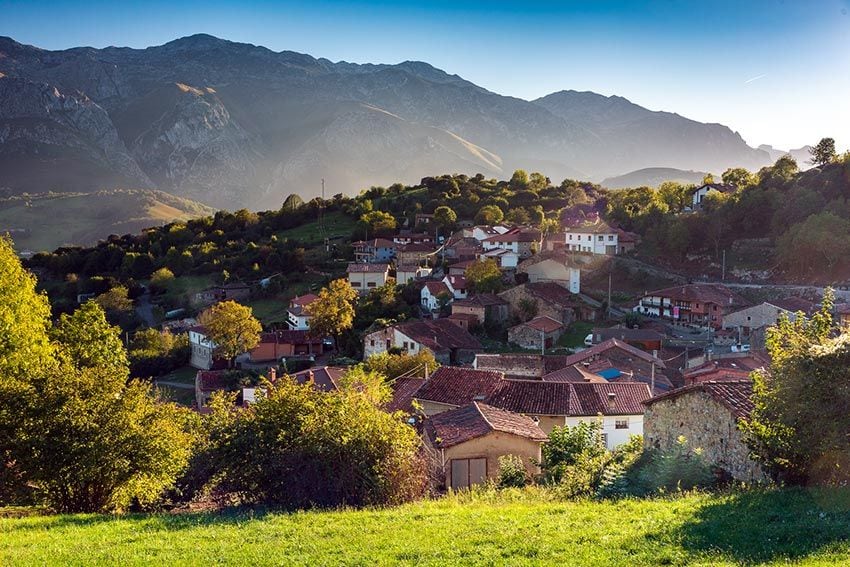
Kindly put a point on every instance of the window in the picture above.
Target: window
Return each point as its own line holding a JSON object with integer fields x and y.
{"x": 466, "y": 472}
{"x": 570, "y": 237}
{"x": 404, "y": 345}
{"x": 621, "y": 424}
{"x": 611, "y": 237}
{"x": 372, "y": 342}
{"x": 355, "y": 284}
{"x": 605, "y": 439}
{"x": 600, "y": 238}
{"x": 589, "y": 237}
{"x": 370, "y": 284}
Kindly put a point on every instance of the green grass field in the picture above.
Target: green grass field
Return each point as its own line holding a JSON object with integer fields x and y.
{"x": 574, "y": 337}
{"x": 513, "y": 528}
{"x": 337, "y": 225}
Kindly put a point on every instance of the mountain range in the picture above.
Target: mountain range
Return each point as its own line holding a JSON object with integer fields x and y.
{"x": 237, "y": 125}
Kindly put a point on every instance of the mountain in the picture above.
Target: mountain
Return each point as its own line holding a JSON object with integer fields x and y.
{"x": 238, "y": 125}
{"x": 48, "y": 220}
{"x": 801, "y": 155}
{"x": 652, "y": 177}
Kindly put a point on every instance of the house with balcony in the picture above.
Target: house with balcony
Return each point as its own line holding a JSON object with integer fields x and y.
{"x": 703, "y": 305}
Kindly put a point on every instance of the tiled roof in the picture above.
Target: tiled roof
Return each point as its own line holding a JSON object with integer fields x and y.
{"x": 593, "y": 226}
{"x": 794, "y": 304}
{"x": 325, "y": 378}
{"x": 570, "y": 398}
{"x": 736, "y": 396}
{"x": 531, "y": 364}
{"x": 289, "y": 337}
{"x": 456, "y": 386}
{"x": 304, "y": 300}
{"x": 843, "y": 309}
{"x": 481, "y": 300}
{"x": 599, "y": 350}
{"x": 703, "y": 293}
{"x": 543, "y": 324}
{"x": 364, "y": 268}
{"x": 551, "y": 292}
{"x": 404, "y": 390}
{"x": 517, "y": 235}
{"x": 417, "y": 247}
{"x": 439, "y": 335}
{"x": 457, "y": 282}
{"x": 211, "y": 380}
{"x": 436, "y": 288}
{"x": 462, "y": 265}
{"x": 475, "y": 420}
{"x": 717, "y": 187}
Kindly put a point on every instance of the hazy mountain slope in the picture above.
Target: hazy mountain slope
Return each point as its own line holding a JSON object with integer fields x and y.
{"x": 46, "y": 221}
{"x": 652, "y": 177}
{"x": 239, "y": 125}
{"x": 635, "y": 137}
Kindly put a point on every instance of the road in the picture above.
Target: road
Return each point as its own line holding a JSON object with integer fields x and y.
{"x": 144, "y": 309}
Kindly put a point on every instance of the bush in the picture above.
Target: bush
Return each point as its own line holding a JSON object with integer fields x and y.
{"x": 512, "y": 472}
{"x": 678, "y": 470}
{"x": 300, "y": 448}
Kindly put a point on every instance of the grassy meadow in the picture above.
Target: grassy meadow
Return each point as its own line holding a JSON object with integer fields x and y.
{"x": 512, "y": 528}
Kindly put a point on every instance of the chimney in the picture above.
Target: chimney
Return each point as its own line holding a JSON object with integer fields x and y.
{"x": 272, "y": 375}
{"x": 611, "y": 396}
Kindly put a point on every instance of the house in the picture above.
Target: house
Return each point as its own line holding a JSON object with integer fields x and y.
{"x": 704, "y": 305}
{"x": 415, "y": 253}
{"x": 483, "y": 232}
{"x": 461, "y": 248}
{"x": 423, "y": 221}
{"x": 614, "y": 361}
{"x": 448, "y": 342}
{"x": 203, "y": 350}
{"x": 726, "y": 369}
{"x": 403, "y": 391}
{"x": 746, "y": 320}
{"x": 409, "y": 237}
{"x": 298, "y": 316}
{"x": 434, "y": 295}
{"x": 324, "y": 378}
{"x": 457, "y": 286}
{"x": 406, "y": 273}
{"x": 645, "y": 339}
{"x": 450, "y": 387}
{"x": 593, "y": 236}
{"x": 540, "y": 333}
{"x": 842, "y": 312}
{"x": 365, "y": 277}
{"x": 375, "y": 250}
{"x": 484, "y": 306}
{"x": 276, "y": 345}
{"x": 466, "y": 443}
{"x": 459, "y": 268}
{"x": 208, "y": 382}
{"x": 235, "y": 291}
{"x": 464, "y": 320}
{"x": 559, "y": 268}
{"x": 700, "y": 193}
{"x": 505, "y": 259}
{"x": 551, "y": 299}
{"x": 523, "y": 242}
{"x": 617, "y": 405}
{"x": 708, "y": 415}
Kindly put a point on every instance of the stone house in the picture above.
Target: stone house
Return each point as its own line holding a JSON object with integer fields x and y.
{"x": 708, "y": 415}
{"x": 203, "y": 349}
{"x": 484, "y": 306}
{"x": 466, "y": 443}
{"x": 765, "y": 314}
{"x": 644, "y": 339}
{"x": 464, "y": 320}
{"x": 842, "y": 313}
{"x": 520, "y": 366}
{"x": 537, "y": 334}
{"x": 415, "y": 253}
{"x": 552, "y": 300}
{"x": 448, "y": 342}
{"x": 235, "y": 291}
{"x": 365, "y": 277}
{"x": 558, "y": 268}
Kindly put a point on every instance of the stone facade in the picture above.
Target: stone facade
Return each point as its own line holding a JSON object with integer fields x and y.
{"x": 515, "y": 295}
{"x": 706, "y": 424}
{"x": 525, "y": 336}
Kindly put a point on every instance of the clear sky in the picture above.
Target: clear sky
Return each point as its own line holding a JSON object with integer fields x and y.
{"x": 777, "y": 71}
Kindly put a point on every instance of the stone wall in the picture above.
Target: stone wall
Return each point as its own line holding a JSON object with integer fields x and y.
{"x": 706, "y": 424}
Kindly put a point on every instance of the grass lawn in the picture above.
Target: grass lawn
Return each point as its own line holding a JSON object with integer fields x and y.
{"x": 337, "y": 225}
{"x": 181, "y": 396}
{"x": 511, "y": 528}
{"x": 574, "y": 337}
{"x": 184, "y": 375}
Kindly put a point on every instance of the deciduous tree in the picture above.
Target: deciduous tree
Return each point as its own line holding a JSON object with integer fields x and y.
{"x": 232, "y": 327}
{"x": 333, "y": 312}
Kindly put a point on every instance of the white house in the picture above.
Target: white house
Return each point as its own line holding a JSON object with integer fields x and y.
{"x": 506, "y": 259}
{"x": 457, "y": 286}
{"x": 594, "y": 236}
{"x": 202, "y": 348}
{"x": 431, "y": 294}
{"x": 366, "y": 277}
{"x": 700, "y": 192}
{"x": 404, "y": 274}
{"x": 521, "y": 241}
{"x": 481, "y": 233}
{"x": 298, "y": 316}
{"x": 554, "y": 269}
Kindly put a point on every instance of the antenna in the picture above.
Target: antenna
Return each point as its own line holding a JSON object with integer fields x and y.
{"x": 322, "y": 218}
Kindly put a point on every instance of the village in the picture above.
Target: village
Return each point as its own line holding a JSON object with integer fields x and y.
{"x": 674, "y": 364}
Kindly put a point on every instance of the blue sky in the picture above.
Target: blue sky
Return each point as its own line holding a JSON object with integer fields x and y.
{"x": 777, "y": 71}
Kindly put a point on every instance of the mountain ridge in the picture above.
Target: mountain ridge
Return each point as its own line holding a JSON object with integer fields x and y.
{"x": 253, "y": 125}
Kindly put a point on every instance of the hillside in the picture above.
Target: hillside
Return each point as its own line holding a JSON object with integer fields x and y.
{"x": 238, "y": 125}
{"x": 652, "y": 177}
{"x": 511, "y": 528}
{"x": 45, "y": 221}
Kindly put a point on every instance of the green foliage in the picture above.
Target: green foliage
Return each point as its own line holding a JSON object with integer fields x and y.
{"x": 393, "y": 366}
{"x": 512, "y": 472}
{"x": 116, "y": 300}
{"x": 797, "y": 429}
{"x": 300, "y": 448}
{"x": 489, "y": 215}
{"x": 333, "y": 312}
{"x": 823, "y": 152}
{"x": 378, "y": 223}
{"x": 484, "y": 276}
{"x": 444, "y": 216}
{"x": 568, "y": 446}
{"x": 817, "y": 244}
{"x": 657, "y": 472}
{"x": 155, "y": 353}
{"x": 87, "y": 340}
{"x": 231, "y": 327}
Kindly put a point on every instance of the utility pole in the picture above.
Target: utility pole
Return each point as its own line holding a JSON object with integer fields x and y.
{"x": 723, "y": 276}
{"x": 609, "y": 293}
{"x": 652, "y": 376}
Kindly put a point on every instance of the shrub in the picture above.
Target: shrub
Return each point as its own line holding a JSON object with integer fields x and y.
{"x": 681, "y": 469}
{"x": 512, "y": 472}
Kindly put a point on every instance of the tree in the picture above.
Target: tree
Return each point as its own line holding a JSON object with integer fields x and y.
{"x": 378, "y": 222}
{"x": 292, "y": 203}
{"x": 675, "y": 195}
{"x": 393, "y": 366}
{"x": 232, "y": 328}
{"x": 333, "y": 312}
{"x": 489, "y": 215}
{"x": 797, "y": 429}
{"x": 484, "y": 276}
{"x": 160, "y": 280}
{"x": 88, "y": 340}
{"x": 818, "y": 244}
{"x": 824, "y": 152}
{"x": 518, "y": 215}
{"x": 739, "y": 177}
{"x": 708, "y": 179}
{"x": 444, "y": 216}
{"x": 116, "y": 300}
{"x": 568, "y": 446}
{"x": 519, "y": 180}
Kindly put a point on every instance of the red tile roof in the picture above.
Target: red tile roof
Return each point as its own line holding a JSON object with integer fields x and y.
{"x": 570, "y": 398}
{"x": 439, "y": 335}
{"x": 599, "y": 350}
{"x": 456, "y": 386}
{"x": 289, "y": 337}
{"x": 418, "y": 247}
{"x": 364, "y": 268}
{"x": 475, "y": 420}
{"x": 437, "y": 288}
{"x": 552, "y": 292}
{"x": 457, "y": 282}
{"x": 517, "y": 235}
{"x": 736, "y": 396}
{"x": 404, "y": 390}
{"x": 304, "y": 300}
{"x": 794, "y": 304}
{"x": 529, "y": 364}
{"x": 324, "y": 378}
{"x": 211, "y": 380}
{"x": 481, "y": 300}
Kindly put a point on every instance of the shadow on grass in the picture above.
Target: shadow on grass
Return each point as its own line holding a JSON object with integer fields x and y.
{"x": 771, "y": 525}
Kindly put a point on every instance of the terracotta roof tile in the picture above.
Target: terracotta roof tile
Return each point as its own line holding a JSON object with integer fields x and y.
{"x": 404, "y": 390}
{"x": 736, "y": 396}
{"x": 475, "y": 420}
{"x": 364, "y": 268}
{"x": 543, "y": 324}
{"x": 703, "y": 293}
{"x": 570, "y": 398}
{"x": 456, "y": 386}
{"x": 439, "y": 335}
